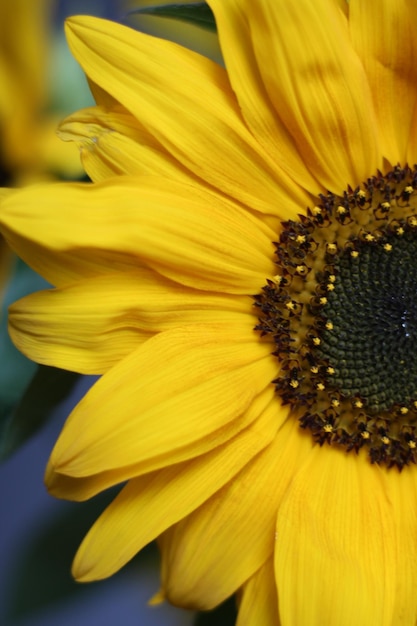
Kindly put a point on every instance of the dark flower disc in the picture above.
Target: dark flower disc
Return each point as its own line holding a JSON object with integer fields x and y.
{"x": 342, "y": 312}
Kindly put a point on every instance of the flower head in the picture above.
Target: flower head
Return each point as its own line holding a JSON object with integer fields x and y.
{"x": 241, "y": 273}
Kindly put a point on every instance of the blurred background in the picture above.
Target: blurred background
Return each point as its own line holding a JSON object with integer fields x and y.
{"x": 40, "y": 83}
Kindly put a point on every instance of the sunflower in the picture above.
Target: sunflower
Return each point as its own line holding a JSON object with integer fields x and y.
{"x": 241, "y": 272}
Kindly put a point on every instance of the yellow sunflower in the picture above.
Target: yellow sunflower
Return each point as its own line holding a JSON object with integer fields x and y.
{"x": 242, "y": 273}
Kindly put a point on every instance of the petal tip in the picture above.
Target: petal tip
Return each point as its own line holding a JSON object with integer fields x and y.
{"x": 157, "y": 598}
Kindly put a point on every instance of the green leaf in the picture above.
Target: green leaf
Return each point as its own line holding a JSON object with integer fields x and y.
{"x": 47, "y": 389}
{"x": 196, "y": 13}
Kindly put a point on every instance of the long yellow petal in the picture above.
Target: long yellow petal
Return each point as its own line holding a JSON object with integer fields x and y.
{"x": 336, "y": 541}
{"x": 235, "y": 433}
{"x": 162, "y": 498}
{"x": 113, "y": 143}
{"x": 68, "y": 231}
{"x": 401, "y": 491}
{"x": 259, "y": 601}
{"x": 91, "y": 325}
{"x": 302, "y": 88}
{"x": 185, "y": 101}
{"x": 211, "y": 553}
{"x": 5, "y": 192}
{"x": 385, "y": 36}
{"x": 179, "y": 387}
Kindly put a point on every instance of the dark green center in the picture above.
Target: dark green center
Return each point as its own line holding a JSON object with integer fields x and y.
{"x": 373, "y": 307}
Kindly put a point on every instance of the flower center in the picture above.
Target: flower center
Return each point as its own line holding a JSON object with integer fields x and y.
{"x": 342, "y": 312}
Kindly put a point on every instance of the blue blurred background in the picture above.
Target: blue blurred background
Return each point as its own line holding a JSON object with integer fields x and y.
{"x": 38, "y": 538}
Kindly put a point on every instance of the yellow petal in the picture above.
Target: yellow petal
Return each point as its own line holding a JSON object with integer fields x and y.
{"x": 302, "y": 88}
{"x": 259, "y": 601}
{"x": 113, "y": 143}
{"x": 149, "y": 505}
{"x": 80, "y": 489}
{"x": 210, "y": 554}
{"x": 91, "y": 325}
{"x": 246, "y": 433}
{"x": 185, "y": 101}
{"x": 402, "y": 575}
{"x": 5, "y": 192}
{"x": 68, "y": 231}
{"x": 336, "y": 542}
{"x": 385, "y": 37}
{"x": 62, "y": 159}
{"x": 178, "y": 388}
{"x": 343, "y": 5}
{"x": 189, "y": 35}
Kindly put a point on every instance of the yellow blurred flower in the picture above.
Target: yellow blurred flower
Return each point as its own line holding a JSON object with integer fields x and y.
{"x": 290, "y": 492}
{"x": 29, "y": 145}
{"x": 23, "y": 57}
{"x": 27, "y": 131}
{"x": 23, "y": 26}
